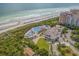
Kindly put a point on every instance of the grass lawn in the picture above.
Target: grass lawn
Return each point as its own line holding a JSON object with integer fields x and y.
{"x": 42, "y": 44}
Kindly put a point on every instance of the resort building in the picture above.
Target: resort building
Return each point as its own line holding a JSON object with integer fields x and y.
{"x": 35, "y": 31}
{"x": 69, "y": 18}
{"x": 53, "y": 34}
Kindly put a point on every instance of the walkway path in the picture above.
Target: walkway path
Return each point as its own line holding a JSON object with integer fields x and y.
{"x": 50, "y": 49}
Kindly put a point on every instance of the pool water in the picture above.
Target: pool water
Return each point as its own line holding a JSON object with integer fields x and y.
{"x": 36, "y": 29}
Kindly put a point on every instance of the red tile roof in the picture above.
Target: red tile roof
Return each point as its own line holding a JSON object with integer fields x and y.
{"x": 28, "y": 51}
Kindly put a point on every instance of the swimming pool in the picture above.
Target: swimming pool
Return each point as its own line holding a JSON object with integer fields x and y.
{"x": 35, "y": 31}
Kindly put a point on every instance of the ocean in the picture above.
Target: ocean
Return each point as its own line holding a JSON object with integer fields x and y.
{"x": 8, "y": 10}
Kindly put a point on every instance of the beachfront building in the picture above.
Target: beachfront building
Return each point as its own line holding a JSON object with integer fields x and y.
{"x": 35, "y": 31}
{"x": 53, "y": 34}
{"x": 69, "y": 18}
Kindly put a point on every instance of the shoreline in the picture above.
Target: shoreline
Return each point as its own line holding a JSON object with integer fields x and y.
{"x": 28, "y": 19}
{"x": 21, "y": 24}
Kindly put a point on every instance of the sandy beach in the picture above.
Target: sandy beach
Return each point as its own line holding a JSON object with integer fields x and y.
{"x": 34, "y": 16}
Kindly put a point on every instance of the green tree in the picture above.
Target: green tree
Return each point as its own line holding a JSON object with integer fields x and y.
{"x": 64, "y": 30}
{"x": 76, "y": 45}
{"x": 42, "y": 52}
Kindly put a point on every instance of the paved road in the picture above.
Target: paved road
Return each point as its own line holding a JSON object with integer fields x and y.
{"x": 69, "y": 43}
{"x": 69, "y": 38}
{"x": 76, "y": 51}
{"x": 55, "y": 49}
